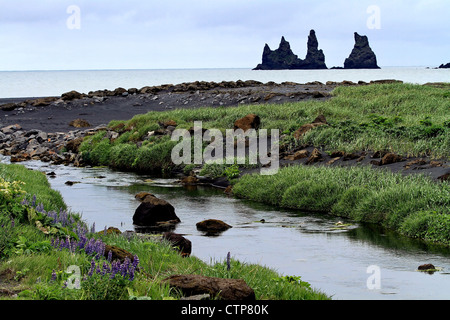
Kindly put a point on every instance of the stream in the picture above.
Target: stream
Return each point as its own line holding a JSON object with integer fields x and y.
{"x": 353, "y": 262}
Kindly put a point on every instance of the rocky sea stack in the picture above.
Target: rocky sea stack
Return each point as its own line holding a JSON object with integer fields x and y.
{"x": 445, "y": 66}
{"x": 362, "y": 56}
{"x": 283, "y": 57}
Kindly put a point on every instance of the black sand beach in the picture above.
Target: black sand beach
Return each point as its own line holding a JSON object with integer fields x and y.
{"x": 100, "y": 107}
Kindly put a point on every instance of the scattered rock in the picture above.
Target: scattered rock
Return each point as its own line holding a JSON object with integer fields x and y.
{"x": 250, "y": 121}
{"x": 426, "y": 267}
{"x": 74, "y": 145}
{"x": 316, "y": 156}
{"x": 79, "y": 123}
{"x": 110, "y": 230}
{"x": 391, "y": 158}
{"x": 228, "y": 190}
{"x": 226, "y": 289}
{"x": 71, "y": 183}
{"x": 41, "y": 102}
{"x": 118, "y": 253}
{"x": 189, "y": 181}
{"x": 297, "y": 156}
{"x": 330, "y": 162}
{"x": 319, "y": 121}
{"x": 183, "y": 245}
{"x": 212, "y": 226}
{"x": 362, "y": 56}
{"x": 11, "y": 129}
{"x": 72, "y": 95}
{"x": 9, "y": 106}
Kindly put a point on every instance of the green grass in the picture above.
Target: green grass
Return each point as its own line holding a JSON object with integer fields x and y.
{"x": 413, "y": 205}
{"x": 36, "y": 183}
{"x": 412, "y": 120}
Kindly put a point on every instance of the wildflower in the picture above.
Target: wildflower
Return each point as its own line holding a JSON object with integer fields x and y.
{"x": 91, "y": 270}
{"x": 53, "y": 276}
{"x": 228, "y": 261}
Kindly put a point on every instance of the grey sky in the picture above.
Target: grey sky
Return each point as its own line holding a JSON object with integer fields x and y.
{"x": 214, "y": 34}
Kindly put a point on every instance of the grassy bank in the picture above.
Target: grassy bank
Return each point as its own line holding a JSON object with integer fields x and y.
{"x": 40, "y": 244}
{"x": 415, "y": 205}
{"x": 411, "y": 120}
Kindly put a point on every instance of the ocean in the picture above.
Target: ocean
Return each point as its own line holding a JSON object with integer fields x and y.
{"x": 18, "y": 84}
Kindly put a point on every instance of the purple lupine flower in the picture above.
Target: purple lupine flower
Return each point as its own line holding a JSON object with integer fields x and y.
{"x": 135, "y": 261}
{"x": 53, "y": 276}
{"x": 228, "y": 261}
{"x": 33, "y": 202}
{"x": 109, "y": 256}
{"x": 115, "y": 268}
{"x": 124, "y": 267}
{"x": 40, "y": 208}
{"x": 106, "y": 268}
{"x": 93, "y": 228}
{"x": 91, "y": 270}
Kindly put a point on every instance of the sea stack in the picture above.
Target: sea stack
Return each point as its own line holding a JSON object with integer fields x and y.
{"x": 362, "y": 56}
{"x": 283, "y": 57}
{"x": 445, "y": 66}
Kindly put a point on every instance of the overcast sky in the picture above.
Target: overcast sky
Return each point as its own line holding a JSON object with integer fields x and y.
{"x": 113, "y": 34}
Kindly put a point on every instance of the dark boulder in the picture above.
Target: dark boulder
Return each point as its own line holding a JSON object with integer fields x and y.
{"x": 283, "y": 57}
{"x": 183, "y": 245}
{"x": 250, "y": 121}
{"x": 445, "y": 66}
{"x": 426, "y": 267}
{"x": 362, "y": 56}
{"x": 225, "y": 289}
{"x": 117, "y": 253}
{"x": 213, "y": 226}
{"x": 155, "y": 212}
{"x": 72, "y": 95}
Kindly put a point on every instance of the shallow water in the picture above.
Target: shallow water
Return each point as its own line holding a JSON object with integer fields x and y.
{"x": 334, "y": 260}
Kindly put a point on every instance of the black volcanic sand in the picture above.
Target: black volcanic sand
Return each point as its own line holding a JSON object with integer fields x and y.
{"x": 56, "y": 116}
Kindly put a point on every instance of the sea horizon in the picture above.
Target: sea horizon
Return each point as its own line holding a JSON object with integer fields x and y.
{"x": 43, "y": 83}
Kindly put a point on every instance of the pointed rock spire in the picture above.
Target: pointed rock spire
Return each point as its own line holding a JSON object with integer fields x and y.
{"x": 284, "y": 58}
{"x": 362, "y": 56}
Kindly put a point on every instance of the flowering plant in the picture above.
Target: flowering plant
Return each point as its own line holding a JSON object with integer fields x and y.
{"x": 10, "y": 196}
